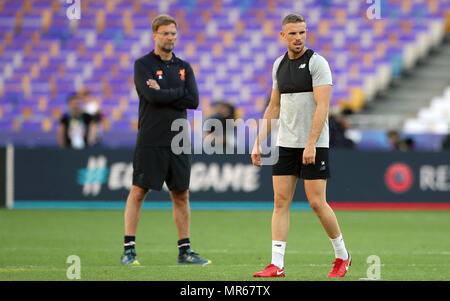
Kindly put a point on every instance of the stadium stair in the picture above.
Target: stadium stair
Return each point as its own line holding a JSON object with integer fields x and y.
{"x": 409, "y": 94}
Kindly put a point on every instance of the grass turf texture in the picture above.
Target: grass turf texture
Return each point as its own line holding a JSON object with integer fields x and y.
{"x": 412, "y": 245}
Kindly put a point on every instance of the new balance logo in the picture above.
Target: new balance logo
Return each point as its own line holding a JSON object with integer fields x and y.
{"x": 322, "y": 166}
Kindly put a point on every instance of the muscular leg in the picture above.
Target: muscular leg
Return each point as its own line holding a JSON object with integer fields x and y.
{"x": 284, "y": 188}
{"x": 316, "y": 194}
{"x": 181, "y": 212}
{"x": 133, "y": 209}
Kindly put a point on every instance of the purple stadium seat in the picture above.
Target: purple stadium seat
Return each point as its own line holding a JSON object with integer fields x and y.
{"x": 245, "y": 65}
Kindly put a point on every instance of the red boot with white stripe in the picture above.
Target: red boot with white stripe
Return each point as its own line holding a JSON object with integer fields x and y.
{"x": 270, "y": 271}
{"x": 340, "y": 267}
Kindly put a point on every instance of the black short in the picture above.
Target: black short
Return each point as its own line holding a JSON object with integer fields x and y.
{"x": 154, "y": 165}
{"x": 290, "y": 163}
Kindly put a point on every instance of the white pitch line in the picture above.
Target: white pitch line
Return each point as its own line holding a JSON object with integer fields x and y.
{"x": 234, "y": 251}
{"x": 291, "y": 266}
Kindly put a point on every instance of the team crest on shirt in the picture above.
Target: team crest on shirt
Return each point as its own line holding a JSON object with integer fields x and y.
{"x": 182, "y": 74}
{"x": 159, "y": 73}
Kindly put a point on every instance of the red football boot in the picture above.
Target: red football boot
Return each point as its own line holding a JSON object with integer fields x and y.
{"x": 340, "y": 267}
{"x": 271, "y": 271}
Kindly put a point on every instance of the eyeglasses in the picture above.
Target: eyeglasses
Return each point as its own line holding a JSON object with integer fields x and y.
{"x": 167, "y": 33}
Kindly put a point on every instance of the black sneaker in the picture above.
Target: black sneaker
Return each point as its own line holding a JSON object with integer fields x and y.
{"x": 190, "y": 257}
{"x": 129, "y": 258}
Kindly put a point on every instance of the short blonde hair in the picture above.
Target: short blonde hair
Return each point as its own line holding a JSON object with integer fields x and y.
{"x": 162, "y": 20}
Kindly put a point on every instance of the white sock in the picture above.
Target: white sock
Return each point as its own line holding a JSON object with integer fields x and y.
{"x": 339, "y": 247}
{"x": 278, "y": 248}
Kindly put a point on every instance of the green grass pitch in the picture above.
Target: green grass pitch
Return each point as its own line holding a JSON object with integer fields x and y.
{"x": 412, "y": 245}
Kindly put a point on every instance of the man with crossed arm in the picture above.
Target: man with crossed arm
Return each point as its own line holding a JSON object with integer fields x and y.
{"x": 166, "y": 87}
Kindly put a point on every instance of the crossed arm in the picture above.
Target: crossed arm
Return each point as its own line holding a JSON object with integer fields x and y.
{"x": 181, "y": 97}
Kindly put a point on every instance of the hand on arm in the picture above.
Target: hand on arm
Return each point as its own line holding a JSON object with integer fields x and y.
{"x": 153, "y": 84}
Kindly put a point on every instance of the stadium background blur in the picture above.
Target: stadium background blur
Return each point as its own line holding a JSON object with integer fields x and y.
{"x": 390, "y": 61}
{"x": 231, "y": 45}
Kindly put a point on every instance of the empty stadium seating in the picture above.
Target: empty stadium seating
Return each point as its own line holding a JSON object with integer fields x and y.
{"x": 434, "y": 119}
{"x": 231, "y": 45}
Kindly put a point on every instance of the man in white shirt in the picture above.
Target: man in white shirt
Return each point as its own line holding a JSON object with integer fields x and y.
{"x": 300, "y": 99}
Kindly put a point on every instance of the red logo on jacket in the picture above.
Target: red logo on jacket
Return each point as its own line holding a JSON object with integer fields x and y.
{"x": 182, "y": 74}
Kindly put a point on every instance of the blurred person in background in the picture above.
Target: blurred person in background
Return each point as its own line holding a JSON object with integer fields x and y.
{"x": 397, "y": 143}
{"x": 76, "y": 128}
{"x": 445, "y": 144}
{"x": 339, "y": 124}
{"x": 393, "y": 139}
{"x": 221, "y": 111}
{"x": 92, "y": 107}
{"x": 406, "y": 145}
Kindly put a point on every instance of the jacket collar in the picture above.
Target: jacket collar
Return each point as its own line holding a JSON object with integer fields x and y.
{"x": 172, "y": 60}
